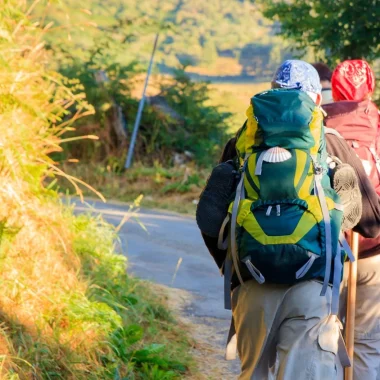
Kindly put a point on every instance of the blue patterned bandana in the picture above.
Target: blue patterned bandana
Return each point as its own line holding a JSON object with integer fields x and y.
{"x": 297, "y": 75}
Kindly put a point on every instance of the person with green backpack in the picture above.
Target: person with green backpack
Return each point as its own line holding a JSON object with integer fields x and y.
{"x": 280, "y": 247}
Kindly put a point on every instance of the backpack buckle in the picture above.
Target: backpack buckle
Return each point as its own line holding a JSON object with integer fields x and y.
{"x": 318, "y": 170}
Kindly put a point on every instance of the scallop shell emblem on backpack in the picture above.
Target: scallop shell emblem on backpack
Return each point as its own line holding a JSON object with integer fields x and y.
{"x": 277, "y": 154}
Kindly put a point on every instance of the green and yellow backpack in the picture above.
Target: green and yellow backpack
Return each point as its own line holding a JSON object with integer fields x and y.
{"x": 286, "y": 219}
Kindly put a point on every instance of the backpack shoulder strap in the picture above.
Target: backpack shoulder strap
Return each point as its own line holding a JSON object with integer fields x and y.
{"x": 331, "y": 131}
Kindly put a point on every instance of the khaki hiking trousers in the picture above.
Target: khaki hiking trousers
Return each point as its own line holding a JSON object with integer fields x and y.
{"x": 367, "y": 321}
{"x": 285, "y": 332}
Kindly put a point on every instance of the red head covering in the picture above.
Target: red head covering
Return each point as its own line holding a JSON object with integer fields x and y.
{"x": 352, "y": 80}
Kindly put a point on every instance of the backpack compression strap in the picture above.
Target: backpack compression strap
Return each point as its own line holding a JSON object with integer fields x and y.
{"x": 232, "y": 250}
{"x": 327, "y": 222}
{"x": 338, "y": 267}
{"x": 346, "y": 247}
{"x": 240, "y": 194}
{"x": 227, "y": 281}
{"x": 227, "y": 265}
{"x": 223, "y": 244}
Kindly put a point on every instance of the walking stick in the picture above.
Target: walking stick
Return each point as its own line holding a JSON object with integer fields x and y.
{"x": 351, "y": 302}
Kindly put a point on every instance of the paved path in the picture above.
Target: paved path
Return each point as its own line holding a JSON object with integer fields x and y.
{"x": 154, "y": 255}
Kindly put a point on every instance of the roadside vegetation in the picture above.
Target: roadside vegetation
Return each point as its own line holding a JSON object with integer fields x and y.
{"x": 174, "y": 189}
{"x": 68, "y": 309}
{"x": 185, "y": 122}
{"x": 168, "y": 186}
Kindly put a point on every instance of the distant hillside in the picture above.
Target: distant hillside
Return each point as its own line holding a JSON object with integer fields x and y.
{"x": 204, "y": 33}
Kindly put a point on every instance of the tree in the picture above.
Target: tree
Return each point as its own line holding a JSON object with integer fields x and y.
{"x": 210, "y": 54}
{"x": 335, "y": 30}
{"x": 255, "y": 59}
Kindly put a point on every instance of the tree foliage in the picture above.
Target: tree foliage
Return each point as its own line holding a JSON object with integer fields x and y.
{"x": 99, "y": 51}
{"x": 195, "y": 31}
{"x": 203, "y": 130}
{"x": 335, "y": 30}
{"x": 107, "y": 85}
{"x": 180, "y": 119}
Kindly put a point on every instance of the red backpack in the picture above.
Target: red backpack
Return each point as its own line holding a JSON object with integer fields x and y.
{"x": 358, "y": 124}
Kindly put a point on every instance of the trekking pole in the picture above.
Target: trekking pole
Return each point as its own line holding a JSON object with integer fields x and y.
{"x": 351, "y": 303}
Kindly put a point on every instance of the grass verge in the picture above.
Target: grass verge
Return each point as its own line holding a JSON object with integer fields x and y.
{"x": 175, "y": 189}
{"x": 68, "y": 309}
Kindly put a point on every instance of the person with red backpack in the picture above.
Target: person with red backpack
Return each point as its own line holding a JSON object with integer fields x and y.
{"x": 356, "y": 118}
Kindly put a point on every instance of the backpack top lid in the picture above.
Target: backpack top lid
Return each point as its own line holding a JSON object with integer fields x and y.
{"x": 284, "y": 118}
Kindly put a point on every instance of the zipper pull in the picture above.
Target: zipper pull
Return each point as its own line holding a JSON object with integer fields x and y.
{"x": 278, "y": 207}
{"x": 269, "y": 210}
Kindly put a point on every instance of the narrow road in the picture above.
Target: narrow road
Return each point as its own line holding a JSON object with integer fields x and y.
{"x": 154, "y": 255}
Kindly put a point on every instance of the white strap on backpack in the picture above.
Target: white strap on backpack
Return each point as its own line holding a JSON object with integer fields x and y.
{"x": 355, "y": 144}
{"x": 375, "y": 157}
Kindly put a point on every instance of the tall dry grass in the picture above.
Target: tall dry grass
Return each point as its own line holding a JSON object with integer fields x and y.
{"x": 67, "y": 308}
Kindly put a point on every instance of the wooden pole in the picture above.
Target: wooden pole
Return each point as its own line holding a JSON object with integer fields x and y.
{"x": 351, "y": 303}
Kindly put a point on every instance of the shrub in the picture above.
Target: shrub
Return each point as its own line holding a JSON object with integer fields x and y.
{"x": 68, "y": 310}
{"x": 186, "y": 121}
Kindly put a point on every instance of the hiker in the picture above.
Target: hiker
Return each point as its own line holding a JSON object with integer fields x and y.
{"x": 290, "y": 325}
{"x": 356, "y": 118}
{"x": 324, "y": 73}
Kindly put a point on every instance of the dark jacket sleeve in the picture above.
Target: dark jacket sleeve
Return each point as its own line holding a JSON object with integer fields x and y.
{"x": 229, "y": 152}
{"x": 219, "y": 255}
{"x": 369, "y": 225}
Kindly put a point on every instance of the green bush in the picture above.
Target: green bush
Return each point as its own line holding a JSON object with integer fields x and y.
{"x": 200, "y": 128}
{"x": 124, "y": 307}
{"x": 183, "y": 120}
